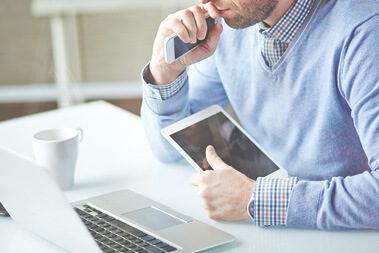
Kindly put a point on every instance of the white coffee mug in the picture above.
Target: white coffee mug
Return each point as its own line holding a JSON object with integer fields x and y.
{"x": 57, "y": 150}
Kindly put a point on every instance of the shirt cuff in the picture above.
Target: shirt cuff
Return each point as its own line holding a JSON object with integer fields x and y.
{"x": 271, "y": 199}
{"x": 161, "y": 92}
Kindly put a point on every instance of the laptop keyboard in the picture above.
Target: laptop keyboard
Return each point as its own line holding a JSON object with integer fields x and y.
{"x": 113, "y": 235}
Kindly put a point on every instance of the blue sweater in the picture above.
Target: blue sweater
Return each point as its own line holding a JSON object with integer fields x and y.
{"x": 316, "y": 111}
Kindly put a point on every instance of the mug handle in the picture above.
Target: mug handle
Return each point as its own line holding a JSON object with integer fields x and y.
{"x": 80, "y": 133}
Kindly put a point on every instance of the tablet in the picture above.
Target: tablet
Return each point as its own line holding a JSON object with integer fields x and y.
{"x": 214, "y": 126}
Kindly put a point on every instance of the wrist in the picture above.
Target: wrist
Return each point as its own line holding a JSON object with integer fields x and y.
{"x": 250, "y": 206}
{"x": 162, "y": 74}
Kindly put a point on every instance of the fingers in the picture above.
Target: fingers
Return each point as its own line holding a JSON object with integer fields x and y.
{"x": 203, "y": 178}
{"x": 210, "y": 8}
{"x": 189, "y": 24}
{"x": 195, "y": 179}
{"x": 213, "y": 38}
{"x": 212, "y": 211}
{"x": 201, "y": 23}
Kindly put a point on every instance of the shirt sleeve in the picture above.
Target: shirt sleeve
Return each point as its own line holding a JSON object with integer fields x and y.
{"x": 271, "y": 199}
{"x": 161, "y": 92}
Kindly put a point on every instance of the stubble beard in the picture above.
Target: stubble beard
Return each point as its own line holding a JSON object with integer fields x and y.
{"x": 253, "y": 14}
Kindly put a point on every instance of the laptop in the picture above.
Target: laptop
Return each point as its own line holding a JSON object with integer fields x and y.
{"x": 121, "y": 221}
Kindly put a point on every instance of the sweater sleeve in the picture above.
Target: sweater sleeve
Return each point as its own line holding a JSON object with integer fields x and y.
{"x": 201, "y": 88}
{"x": 351, "y": 202}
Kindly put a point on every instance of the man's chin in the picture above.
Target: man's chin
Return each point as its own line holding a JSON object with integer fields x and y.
{"x": 238, "y": 24}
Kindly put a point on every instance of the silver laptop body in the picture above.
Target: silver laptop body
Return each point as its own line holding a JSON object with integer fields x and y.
{"x": 35, "y": 201}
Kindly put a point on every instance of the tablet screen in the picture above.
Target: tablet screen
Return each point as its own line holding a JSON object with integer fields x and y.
{"x": 230, "y": 143}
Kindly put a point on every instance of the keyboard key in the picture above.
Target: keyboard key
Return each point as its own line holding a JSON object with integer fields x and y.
{"x": 100, "y": 216}
{"x": 118, "y": 248}
{"x": 103, "y": 247}
{"x": 127, "y": 251}
{"x": 92, "y": 226}
{"x": 108, "y": 218}
{"x": 112, "y": 236}
{"x": 112, "y": 228}
{"x": 161, "y": 245}
{"x": 142, "y": 250}
{"x": 142, "y": 244}
{"x": 106, "y": 233}
{"x": 109, "y": 250}
{"x": 119, "y": 240}
{"x": 169, "y": 249}
{"x": 129, "y": 237}
{"x": 101, "y": 239}
{"x": 99, "y": 222}
{"x": 98, "y": 229}
{"x": 112, "y": 245}
{"x": 156, "y": 241}
{"x": 136, "y": 248}
{"x": 123, "y": 234}
{"x": 135, "y": 240}
{"x": 148, "y": 238}
{"x": 153, "y": 249}
{"x": 92, "y": 218}
{"x": 93, "y": 233}
{"x": 107, "y": 241}
{"x": 127, "y": 228}
{"x": 118, "y": 231}
{"x": 127, "y": 244}
{"x": 107, "y": 226}
{"x": 97, "y": 236}
{"x": 80, "y": 212}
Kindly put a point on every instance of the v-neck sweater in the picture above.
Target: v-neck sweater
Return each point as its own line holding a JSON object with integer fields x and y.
{"x": 316, "y": 111}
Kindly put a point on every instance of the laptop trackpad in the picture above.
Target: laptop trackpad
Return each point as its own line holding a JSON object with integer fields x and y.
{"x": 153, "y": 218}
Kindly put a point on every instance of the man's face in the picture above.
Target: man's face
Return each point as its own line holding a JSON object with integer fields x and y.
{"x": 244, "y": 13}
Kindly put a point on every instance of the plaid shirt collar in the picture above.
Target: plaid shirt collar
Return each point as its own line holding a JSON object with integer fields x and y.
{"x": 286, "y": 28}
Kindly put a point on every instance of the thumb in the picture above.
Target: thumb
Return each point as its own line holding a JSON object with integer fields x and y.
{"x": 209, "y": 46}
{"x": 213, "y": 159}
{"x": 213, "y": 37}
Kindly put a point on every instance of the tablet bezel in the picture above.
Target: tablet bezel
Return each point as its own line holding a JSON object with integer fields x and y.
{"x": 202, "y": 115}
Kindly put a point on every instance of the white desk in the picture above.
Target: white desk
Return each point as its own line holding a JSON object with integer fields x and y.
{"x": 114, "y": 154}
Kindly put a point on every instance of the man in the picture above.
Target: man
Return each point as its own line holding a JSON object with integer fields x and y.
{"x": 302, "y": 77}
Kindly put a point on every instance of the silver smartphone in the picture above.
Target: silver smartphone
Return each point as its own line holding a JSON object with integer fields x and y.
{"x": 175, "y": 48}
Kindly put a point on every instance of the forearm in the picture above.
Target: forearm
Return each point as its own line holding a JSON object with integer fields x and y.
{"x": 162, "y": 106}
{"x": 160, "y": 109}
{"x": 349, "y": 202}
{"x": 341, "y": 203}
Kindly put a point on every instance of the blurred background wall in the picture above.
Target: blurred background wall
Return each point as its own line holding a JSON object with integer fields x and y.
{"x": 114, "y": 47}
{"x": 25, "y": 48}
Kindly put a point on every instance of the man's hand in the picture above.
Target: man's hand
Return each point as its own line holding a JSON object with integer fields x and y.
{"x": 224, "y": 190}
{"x": 189, "y": 25}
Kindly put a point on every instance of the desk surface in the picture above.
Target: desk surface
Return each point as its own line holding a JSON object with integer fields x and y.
{"x": 115, "y": 154}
